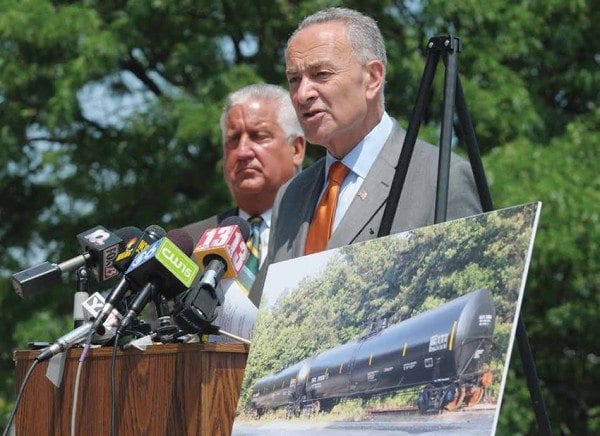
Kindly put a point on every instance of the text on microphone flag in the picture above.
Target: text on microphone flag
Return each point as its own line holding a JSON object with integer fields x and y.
{"x": 104, "y": 246}
{"x": 171, "y": 257}
{"x": 226, "y": 242}
{"x": 175, "y": 260}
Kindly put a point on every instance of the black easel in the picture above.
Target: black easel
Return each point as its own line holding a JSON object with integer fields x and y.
{"x": 449, "y": 46}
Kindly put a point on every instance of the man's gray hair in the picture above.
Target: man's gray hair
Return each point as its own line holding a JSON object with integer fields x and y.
{"x": 364, "y": 36}
{"x": 286, "y": 117}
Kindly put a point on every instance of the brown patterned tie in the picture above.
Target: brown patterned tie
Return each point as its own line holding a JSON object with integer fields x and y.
{"x": 319, "y": 231}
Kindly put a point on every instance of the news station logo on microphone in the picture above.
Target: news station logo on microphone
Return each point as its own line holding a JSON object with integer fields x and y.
{"x": 131, "y": 248}
{"x": 225, "y": 242}
{"x": 104, "y": 246}
{"x": 169, "y": 256}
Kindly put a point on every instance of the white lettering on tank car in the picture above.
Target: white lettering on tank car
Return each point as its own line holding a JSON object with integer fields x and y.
{"x": 372, "y": 375}
{"x": 438, "y": 342}
{"x": 409, "y": 365}
{"x": 485, "y": 320}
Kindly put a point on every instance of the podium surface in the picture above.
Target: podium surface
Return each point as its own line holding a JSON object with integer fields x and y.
{"x": 168, "y": 389}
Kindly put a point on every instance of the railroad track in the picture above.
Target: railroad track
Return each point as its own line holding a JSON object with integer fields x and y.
{"x": 410, "y": 410}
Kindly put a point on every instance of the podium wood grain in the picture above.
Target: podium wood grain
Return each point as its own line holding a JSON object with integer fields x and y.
{"x": 171, "y": 389}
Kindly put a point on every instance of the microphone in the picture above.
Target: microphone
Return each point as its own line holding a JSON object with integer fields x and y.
{"x": 164, "y": 267}
{"x": 104, "y": 248}
{"x": 91, "y": 308}
{"x": 151, "y": 234}
{"x": 64, "y": 342}
{"x": 100, "y": 247}
{"x": 222, "y": 253}
{"x": 135, "y": 245}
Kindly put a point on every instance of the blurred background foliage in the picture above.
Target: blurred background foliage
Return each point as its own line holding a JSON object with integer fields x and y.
{"x": 109, "y": 115}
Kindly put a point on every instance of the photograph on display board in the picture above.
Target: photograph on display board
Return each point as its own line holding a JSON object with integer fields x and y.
{"x": 407, "y": 333}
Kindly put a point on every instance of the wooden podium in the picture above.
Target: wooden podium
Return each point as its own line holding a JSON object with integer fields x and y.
{"x": 171, "y": 389}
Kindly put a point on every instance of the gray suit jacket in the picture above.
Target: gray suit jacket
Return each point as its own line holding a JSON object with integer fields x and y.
{"x": 296, "y": 201}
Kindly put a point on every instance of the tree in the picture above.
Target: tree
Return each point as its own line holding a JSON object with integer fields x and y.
{"x": 109, "y": 114}
{"x": 562, "y": 298}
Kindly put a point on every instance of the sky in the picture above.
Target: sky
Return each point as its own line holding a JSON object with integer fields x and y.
{"x": 286, "y": 275}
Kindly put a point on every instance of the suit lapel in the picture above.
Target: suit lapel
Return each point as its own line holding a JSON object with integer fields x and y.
{"x": 227, "y": 214}
{"x": 311, "y": 188}
{"x": 372, "y": 194}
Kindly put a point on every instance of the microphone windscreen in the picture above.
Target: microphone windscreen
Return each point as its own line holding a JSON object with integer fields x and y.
{"x": 130, "y": 235}
{"x": 237, "y": 221}
{"x": 138, "y": 243}
{"x": 156, "y": 230}
{"x": 182, "y": 239}
{"x": 129, "y": 232}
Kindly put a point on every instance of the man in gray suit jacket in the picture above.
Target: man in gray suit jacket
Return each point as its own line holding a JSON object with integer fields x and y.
{"x": 263, "y": 147}
{"x": 335, "y": 64}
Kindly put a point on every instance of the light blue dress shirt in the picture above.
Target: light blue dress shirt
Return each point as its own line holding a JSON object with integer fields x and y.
{"x": 359, "y": 160}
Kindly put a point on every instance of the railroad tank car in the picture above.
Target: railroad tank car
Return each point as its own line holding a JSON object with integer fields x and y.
{"x": 276, "y": 389}
{"x": 442, "y": 349}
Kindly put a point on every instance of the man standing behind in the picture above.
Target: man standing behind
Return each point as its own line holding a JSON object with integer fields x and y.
{"x": 263, "y": 147}
{"x": 335, "y": 65}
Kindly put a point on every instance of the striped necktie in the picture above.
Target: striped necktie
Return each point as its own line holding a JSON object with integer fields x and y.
{"x": 248, "y": 273}
{"x": 253, "y": 262}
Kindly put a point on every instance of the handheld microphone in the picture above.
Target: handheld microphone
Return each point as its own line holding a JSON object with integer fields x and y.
{"x": 164, "y": 267}
{"x": 100, "y": 247}
{"x": 222, "y": 252}
{"x": 151, "y": 234}
{"x": 65, "y": 341}
{"x": 136, "y": 244}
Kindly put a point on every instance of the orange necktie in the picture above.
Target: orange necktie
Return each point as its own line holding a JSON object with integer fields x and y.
{"x": 319, "y": 231}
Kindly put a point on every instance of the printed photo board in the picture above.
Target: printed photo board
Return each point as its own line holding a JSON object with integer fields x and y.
{"x": 410, "y": 333}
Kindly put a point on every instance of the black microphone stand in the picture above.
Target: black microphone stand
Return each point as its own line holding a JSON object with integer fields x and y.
{"x": 165, "y": 331}
{"x": 81, "y": 294}
{"x": 449, "y": 47}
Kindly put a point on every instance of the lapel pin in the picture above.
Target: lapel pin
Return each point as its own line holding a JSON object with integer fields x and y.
{"x": 362, "y": 195}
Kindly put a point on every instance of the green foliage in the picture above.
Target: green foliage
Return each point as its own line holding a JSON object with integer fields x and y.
{"x": 516, "y": 415}
{"x": 348, "y": 410}
{"x": 404, "y": 398}
{"x": 562, "y": 299}
{"x": 109, "y": 116}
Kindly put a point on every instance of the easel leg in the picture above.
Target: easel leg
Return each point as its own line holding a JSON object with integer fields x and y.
{"x": 449, "y": 46}
{"x": 532, "y": 380}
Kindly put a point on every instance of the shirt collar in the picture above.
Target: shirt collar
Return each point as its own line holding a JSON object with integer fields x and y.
{"x": 361, "y": 157}
{"x": 266, "y": 216}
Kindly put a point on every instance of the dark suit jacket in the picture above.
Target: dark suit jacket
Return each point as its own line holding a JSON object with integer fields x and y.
{"x": 196, "y": 229}
{"x": 296, "y": 201}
